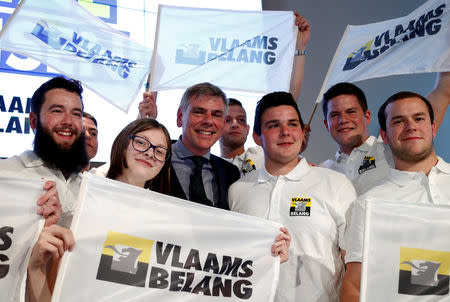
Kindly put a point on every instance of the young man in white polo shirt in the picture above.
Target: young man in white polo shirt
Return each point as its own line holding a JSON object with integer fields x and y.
{"x": 311, "y": 202}
{"x": 407, "y": 125}
{"x": 363, "y": 158}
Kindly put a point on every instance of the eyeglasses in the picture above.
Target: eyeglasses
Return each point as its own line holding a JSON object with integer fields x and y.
{"x": 141, "y": 144}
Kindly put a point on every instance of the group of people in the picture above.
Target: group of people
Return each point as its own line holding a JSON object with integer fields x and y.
{"x": 321, "y": 207}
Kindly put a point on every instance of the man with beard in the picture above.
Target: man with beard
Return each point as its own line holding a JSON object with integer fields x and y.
{"x": 408, "y": 127}
{"x": 59, "y": 152}
{"x": 363, "y": 158}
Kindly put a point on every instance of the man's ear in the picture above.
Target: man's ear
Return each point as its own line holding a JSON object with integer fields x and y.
{"x": 179, "y": 117}
{"x": 326, "y": 124}
{"x": 257, "y": 139}
{"x": 368, "y": 116}
{"x": 433, "y": 129}
{"x": 33, "y": 120}
{"x": 384, "y": 136}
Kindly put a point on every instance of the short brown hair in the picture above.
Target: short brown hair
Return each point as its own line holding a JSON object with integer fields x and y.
{"x": 161, "y": 182}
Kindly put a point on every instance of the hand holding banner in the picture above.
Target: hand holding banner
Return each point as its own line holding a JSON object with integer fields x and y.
{"x": 235, "y": 50}
{"x": 135, "y": 244}
{"x": 415, "y": 43}
{"x": 19, "y": 230}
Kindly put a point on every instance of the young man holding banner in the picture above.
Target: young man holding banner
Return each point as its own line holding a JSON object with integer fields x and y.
{"x": 408, "y": 127}
{"x": 311, "y": 202}
{"x": 362, "y": 157}
{"x": 59, "y": 146}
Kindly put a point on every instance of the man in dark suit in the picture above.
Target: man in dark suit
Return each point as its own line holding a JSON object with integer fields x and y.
{"x": 196, "y": 174}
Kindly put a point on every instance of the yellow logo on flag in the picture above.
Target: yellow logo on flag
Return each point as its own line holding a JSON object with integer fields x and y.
{"x": 423, "y": 272}
{"x": 125, "y": 259}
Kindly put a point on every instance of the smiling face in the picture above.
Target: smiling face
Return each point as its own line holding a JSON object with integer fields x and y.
{"x": 347, "y": 122}
{"x": 60, "y": 116}
{"x": 141, "y": 166}
{"x": 235, "y": 130}
{"x": 409, "y": 131}
{"x": 281, "y": 137}
{"x": 202, "y": 123}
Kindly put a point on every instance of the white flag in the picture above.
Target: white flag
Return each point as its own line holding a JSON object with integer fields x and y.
{"x": 65, "y": 36}
{"x": 418, "y": 42}
{"x": 235, "y": 50}
{"x": 136, "y": 245}
{"x": 19, "y": 230}
{"x": 406, "y": 252}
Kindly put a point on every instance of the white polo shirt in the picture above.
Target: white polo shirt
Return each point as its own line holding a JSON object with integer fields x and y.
{"x": 400, "y": 186}
{"x": 366, "y": 164}
{"x": 312, "y": 203}
{"x": 249, "y": 161}
{"x": 29, "y": 165}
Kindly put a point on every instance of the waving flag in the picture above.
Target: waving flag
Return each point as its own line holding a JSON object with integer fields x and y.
{"x": 418, "y": 42}
{"x": 137, "y": 245}
{"x": 406, "y": 252}
{"x": 65, "y": 36}
{"x": 236, "y": 50}
{"x": 19, "y": 230}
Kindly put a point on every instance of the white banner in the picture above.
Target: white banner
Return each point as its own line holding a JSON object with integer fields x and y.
{"x": 19, "y": 230}
{"x": 136, "y": 245}
{"x": 406, "y": 252}
{"x": 65, "y": 36}
{"x": 235, "y": 50}
{"x": 418, "y": 42}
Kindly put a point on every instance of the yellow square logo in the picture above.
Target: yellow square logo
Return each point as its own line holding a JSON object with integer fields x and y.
{"x": 423, "y": 272}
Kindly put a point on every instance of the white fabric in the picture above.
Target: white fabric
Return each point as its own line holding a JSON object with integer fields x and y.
{"x": 65, "y": 36}
{"x": 209, "y": 45}
{"x": 365, "y": 166}
{"x": 415, "y": 43}
{"x": 407, "y": 252}
{"x": 249, "y": 161}
{"x": 29, "y": 165}
{"x": 101, "y": 170}
{"x": 19, "y": 230}
{"x": 400, "y": 186}
{"x": 139, "y": 219}
{"x": 314, "y": 270}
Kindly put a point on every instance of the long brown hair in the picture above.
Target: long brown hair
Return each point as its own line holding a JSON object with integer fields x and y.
{"x": 161, "y": 182}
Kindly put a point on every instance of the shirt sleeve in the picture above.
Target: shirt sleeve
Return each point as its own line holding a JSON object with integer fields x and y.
{"x": 354, "y": 236}
{"x": 346, "y": 200}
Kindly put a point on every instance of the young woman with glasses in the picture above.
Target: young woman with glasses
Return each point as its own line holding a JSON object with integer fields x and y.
{"x": 140, "y": 155}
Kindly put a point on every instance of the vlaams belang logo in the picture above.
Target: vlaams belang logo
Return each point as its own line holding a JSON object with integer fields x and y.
{"x": 423, "y": 272}
{"x": 125, "y": 259}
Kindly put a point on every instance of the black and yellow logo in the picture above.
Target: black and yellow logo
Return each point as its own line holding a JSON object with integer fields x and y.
{"x": 248, "y": 166}
{"x": 300, "y": 206}
{"x": 367, "y": 164}
{"x": 125, "y": 259}
{"x": 423, "y": 272}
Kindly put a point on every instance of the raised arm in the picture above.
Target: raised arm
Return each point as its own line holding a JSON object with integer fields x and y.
{"x": 439, "y": 97}
{"x": 304, "y": 31}
{"x": 148, "y": 107}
